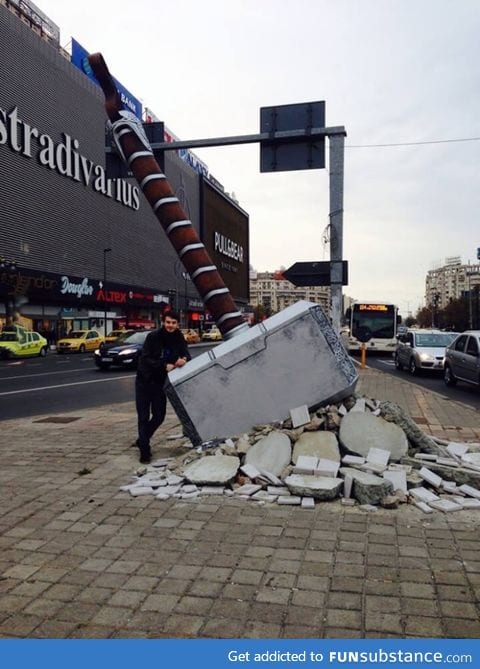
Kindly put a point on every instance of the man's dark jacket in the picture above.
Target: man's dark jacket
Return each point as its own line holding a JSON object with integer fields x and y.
{"x": 160, "y": 348}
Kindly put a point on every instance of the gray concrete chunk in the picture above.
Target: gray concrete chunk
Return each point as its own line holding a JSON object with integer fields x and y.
{"x": 367, "y": 488}
{"x": 320, "y": 487}
{"x": 272, "y": 453}
{"x": 359, "y": 432}
{"x": 318, "y": 445}
{"x": 212, "y": 469}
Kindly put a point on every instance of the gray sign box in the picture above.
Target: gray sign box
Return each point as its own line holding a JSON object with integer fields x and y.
{"x": 292, "y": 154}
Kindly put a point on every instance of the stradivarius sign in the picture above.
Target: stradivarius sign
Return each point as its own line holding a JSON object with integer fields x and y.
{"x": 64, "y": 157}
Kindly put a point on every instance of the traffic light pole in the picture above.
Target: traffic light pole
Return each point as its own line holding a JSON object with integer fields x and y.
{"x": 336, "y": 152}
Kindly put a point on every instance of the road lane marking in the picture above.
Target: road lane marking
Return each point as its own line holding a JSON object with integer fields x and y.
{"x": 64, "y": 385}
{"x": 27, "y": 376}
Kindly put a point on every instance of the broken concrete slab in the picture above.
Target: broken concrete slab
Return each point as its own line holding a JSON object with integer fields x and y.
{"x": 361, "y": 431}
{"x": 212, "y": 469}
{"x": 359, "y": 406}
{"x": 456, "y": 448}
{"x": 317, "y": 444}
{"x": 320, "y": 487}
{"x": 423, "y": 506}
{"x": 290, "y": 501}
{"x": 272, "y": 453}
{"x": 247, "y": 489}
{"x": 250, "y": 471}
{"x": 470, "y": 491}
{"x": 367, "y": 488}
{"x": 353, "y": 460}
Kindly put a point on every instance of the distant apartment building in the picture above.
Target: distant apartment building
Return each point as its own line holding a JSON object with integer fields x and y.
{"x": 450, "y": 282}
{"x": 275, "y": 293}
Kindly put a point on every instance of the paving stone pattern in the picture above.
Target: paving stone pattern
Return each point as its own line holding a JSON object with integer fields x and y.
{"x": 79, "y": 559}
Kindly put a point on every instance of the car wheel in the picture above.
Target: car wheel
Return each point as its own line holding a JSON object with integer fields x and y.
{"x": 81, "y": 349}
{"x": 398, "y": 364}
{"x": 43, "y": 352}
{"x": 412, "y": 367}
{"x": 448, "y": 376}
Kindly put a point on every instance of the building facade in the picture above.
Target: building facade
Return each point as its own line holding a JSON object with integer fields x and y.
{"x": 274, "y": 293}
{"x": 76, "y": 244}
{"x": 451, "y": 281}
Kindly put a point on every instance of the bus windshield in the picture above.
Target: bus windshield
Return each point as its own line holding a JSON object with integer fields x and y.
{"x": 378, "y": 318}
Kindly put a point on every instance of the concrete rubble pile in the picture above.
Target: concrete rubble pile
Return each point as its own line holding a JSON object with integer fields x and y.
{"x": 361, "y": 452}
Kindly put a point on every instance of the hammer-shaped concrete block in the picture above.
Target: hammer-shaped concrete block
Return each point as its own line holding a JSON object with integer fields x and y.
{"x": 293, "y": 358}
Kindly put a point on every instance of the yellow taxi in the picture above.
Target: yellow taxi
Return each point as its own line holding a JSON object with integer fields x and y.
{"x": 114, "y": 335}
{"x": 213, "y": 334}
{"x": 79, "y": 341}
{"x": 191, "y": 336}
{"x": 16, "y": 342}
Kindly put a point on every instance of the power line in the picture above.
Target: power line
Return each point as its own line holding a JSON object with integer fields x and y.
{"x": 437, "y": 141}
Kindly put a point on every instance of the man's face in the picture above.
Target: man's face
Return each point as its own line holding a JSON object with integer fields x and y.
{"x": 170, "y": 324}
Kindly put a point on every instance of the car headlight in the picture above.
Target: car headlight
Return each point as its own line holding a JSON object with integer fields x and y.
{"x": 425, "y": 357}
{"x": 97, "y": 351}
{"x": 128, "y": 351}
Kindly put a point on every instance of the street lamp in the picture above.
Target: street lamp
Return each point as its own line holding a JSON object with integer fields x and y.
{"x": 105, "y": 251}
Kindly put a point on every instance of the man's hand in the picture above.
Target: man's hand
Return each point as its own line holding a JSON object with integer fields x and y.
{"x": 169, "y": 367}
{"x": 180, "y": 362}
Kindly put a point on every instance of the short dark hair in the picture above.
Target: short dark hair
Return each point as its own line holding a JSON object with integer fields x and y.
{"x": 172, "y": 314}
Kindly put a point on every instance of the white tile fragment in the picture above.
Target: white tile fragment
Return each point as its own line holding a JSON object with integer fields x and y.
{"x": 368, "y": 507}
{"x": 445, "y": 505}
{"x": 431, "y": 457}
{"x": 212, "y": 490}
{"x": 250, "y": 470}
{"x": 397, "y": 478}
{"x": 423, "y": 495}
{"x": 467, "y": 503}
{"x": 189, "y": 487}
{"x": 342, "y": 410}
{"x": 271, "y": 477}
{"x": 430, "y": 477}
{"x": 353, "y": 460}
{"x": 308, "y": 503}
{"x": 263, "y": 496}
{"x": 359, "y": 406}
{"x": 346, "y": 501}
{"x": 162, "y": 496}
{"x": 173, "y": 479}
{"x": 456, "y": 448}
{"x": 448, "y": 462}
{"x": 327, "y": 467}
{"x": 469, "y": 490}
{"x": 247, "y": 489}
{"x": 300, "y": 416}
{"x": 137, "y": 491}
{"x": 277, "y": 490}
{"x": 293, "y": 500}
{"x": 423, "y": 506}
{"x": 347, "y": 486}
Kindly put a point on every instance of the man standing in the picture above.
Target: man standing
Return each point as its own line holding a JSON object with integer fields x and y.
{"x": 164, "y": 349}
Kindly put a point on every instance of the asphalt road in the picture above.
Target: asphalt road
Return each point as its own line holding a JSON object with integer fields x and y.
{"x": 463, "y": 392}
{"x": 59, "y": 383}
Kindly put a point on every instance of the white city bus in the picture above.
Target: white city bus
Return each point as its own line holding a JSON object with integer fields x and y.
{"x": 374, "y": 323}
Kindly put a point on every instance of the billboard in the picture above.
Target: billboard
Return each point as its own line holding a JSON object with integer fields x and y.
{"x": 80, "y": 60}
{"x": 225, "y": 233}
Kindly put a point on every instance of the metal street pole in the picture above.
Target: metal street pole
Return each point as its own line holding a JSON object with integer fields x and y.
{"x": 336, "y": 154}
{"x": 105, "y": 251}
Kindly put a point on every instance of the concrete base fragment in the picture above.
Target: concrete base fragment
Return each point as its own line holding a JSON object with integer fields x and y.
{"x": 359, "y": 432}
{"x": 320, "y": 487}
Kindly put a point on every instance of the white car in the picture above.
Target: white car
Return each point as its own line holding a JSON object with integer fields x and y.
{"x": 422, "y": 350}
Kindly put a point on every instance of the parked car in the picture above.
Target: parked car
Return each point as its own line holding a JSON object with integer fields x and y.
{"x": 79, "y": 341}
{"x": 115, "y": 335}
{"x": 16, "y": 342}
{"x": 462, "y": 359}
{"x": 191, "y": 336}
{"x": 123, "y": 354}
{"x": 422, "y": 350}
{"x": 213, "y": 334}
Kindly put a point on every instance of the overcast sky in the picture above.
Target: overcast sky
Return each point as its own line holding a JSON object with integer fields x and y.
{"x": 390, "y": 71}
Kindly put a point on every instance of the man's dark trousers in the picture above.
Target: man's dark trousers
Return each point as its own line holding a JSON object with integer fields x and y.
{"x": 151, "y": 403}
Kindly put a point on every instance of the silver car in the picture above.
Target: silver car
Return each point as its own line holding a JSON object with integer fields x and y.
{"x": 422, "y": 350}
{"x": 462, "y": 359}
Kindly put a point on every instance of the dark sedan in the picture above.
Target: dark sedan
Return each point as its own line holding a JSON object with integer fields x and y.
{"x": 123, "y": 354}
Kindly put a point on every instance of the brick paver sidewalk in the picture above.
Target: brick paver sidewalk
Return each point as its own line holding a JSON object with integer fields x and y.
{"x": 78, "y": 558}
